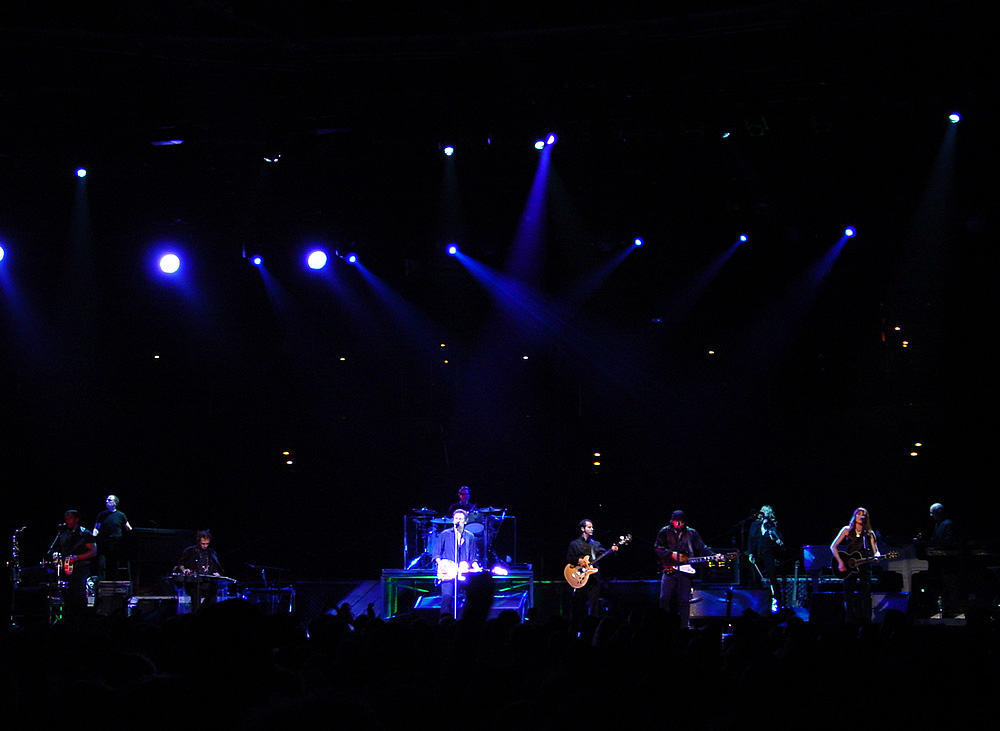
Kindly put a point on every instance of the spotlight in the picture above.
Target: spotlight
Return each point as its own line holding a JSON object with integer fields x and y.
{"x": 81, "y": 172}
{"x": 743, "y": 237}
{"x": 316, "y": 259}
{"x": 849, "y": 231}
{"x": 955, "y": 117}
{"x": 551, "y": 139}
{"x": 449, "y": 150}
{"x": 2, "y": 253}
{"x": 170, "y": 263}
{"x": 256, "y": 261}
{"x": 452, "y": 249}
{"x": 540, "y": 144}
{"x": 351, "y": 258}
{"x": 638, "y": 242}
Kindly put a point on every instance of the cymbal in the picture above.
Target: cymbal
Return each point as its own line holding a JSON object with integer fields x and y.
{"x": 491, "y": 510}
{"x": 423, "y": 511}
{"x": 441, "y": 521}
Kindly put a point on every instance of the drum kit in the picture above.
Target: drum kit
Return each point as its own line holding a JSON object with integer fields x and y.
{"x": 421, "y": 530}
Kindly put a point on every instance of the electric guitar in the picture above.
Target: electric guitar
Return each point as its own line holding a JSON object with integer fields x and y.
{"x": 853, "y": 561}
{"x": 685, "y": 567}
{"x": 576, "y": 576}
{"x": 65, "y": 563}
{"x": 448, "y": 570}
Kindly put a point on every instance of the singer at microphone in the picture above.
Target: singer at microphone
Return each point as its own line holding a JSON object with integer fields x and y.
{"x": 76, "y": 547}
{"x": 453, "y": 550}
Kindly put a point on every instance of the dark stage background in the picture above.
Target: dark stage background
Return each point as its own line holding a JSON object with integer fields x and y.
{"x": 181, "y": 398}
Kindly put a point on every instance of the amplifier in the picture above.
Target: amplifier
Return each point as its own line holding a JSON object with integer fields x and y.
{"x": 114, "y": 588}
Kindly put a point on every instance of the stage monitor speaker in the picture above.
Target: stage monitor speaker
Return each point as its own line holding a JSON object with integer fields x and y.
{"x": 714, "y": 601}
{"x": 154, "y": 609}
{"x": 112, "y": 598}
{"x": 816, "y": 558}
{"x": 827, "y": 606}
{"x": 883, "y": 602}
{"x": 518, "y": 601}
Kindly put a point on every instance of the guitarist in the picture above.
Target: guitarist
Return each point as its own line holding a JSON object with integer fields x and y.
{"x": 857, "y": 537}
{"x": 581, "y": 551}
{"x": 675, "y": 543}
{"x": 457, "y": 546}
{"x": 76, "y": 546}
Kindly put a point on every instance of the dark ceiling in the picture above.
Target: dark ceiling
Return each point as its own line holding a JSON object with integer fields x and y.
{"x": 835, "y": 113}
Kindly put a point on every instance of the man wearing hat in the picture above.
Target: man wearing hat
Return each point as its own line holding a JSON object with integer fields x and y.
{"x": 675, "y": 544}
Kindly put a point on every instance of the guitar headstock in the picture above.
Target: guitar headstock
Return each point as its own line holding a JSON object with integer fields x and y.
{"x": 625, "y": 540}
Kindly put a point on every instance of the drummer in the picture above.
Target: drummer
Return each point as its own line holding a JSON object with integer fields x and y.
{"x": 474, "y": 523}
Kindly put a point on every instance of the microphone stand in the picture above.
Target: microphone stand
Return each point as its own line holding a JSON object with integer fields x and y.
{"x": 48, "y": 553}
{"x": 454, "y": 598}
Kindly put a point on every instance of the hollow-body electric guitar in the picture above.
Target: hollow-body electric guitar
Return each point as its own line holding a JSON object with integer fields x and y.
{"x": 576, "y": 576}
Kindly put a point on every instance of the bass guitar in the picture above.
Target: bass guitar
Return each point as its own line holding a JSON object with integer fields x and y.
{"x": 854, "y": 561}
{"x": 684, "y": 565}
{"x": 576, "y": 576}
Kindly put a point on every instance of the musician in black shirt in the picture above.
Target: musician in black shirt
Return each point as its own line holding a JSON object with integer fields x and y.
{"x": 857, "y": 537}
{"x": 675, "y": 544}
{"x": 109, "y": 530}
{"x": 763, "y": 543}
{"x": 76, "y": 548}
{"x": 585, "y": 549}
{"x": 200, "y": 560}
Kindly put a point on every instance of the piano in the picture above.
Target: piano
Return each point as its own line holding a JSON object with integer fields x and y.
{"x": 906, "y": 565}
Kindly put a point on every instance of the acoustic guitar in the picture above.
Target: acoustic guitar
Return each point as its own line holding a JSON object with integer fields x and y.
{"x": 854, "y": 561}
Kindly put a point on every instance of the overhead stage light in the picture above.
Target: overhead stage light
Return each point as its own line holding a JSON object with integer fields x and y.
{"x": 256, "y": 261}
{"x": 81, "y": 172}
{"x": 452, "y": 249}
{"x": 317, "y": 259}
{"x": 638, "y": 241}
{"x": 743, "y": 237}
{"x": 540, "y": 144}
{"x": 955, "y": 117}
{"x": 170, "y": 263}
{"x": 351, "y": 258}
{"x": 849, "y": 231}
{"x": 2, "y": 253}
{"x": 551, "y": 139}
{"x": 448, "y": 150}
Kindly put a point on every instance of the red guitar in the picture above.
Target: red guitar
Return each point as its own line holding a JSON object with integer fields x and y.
{"x": 684, "y": 565}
